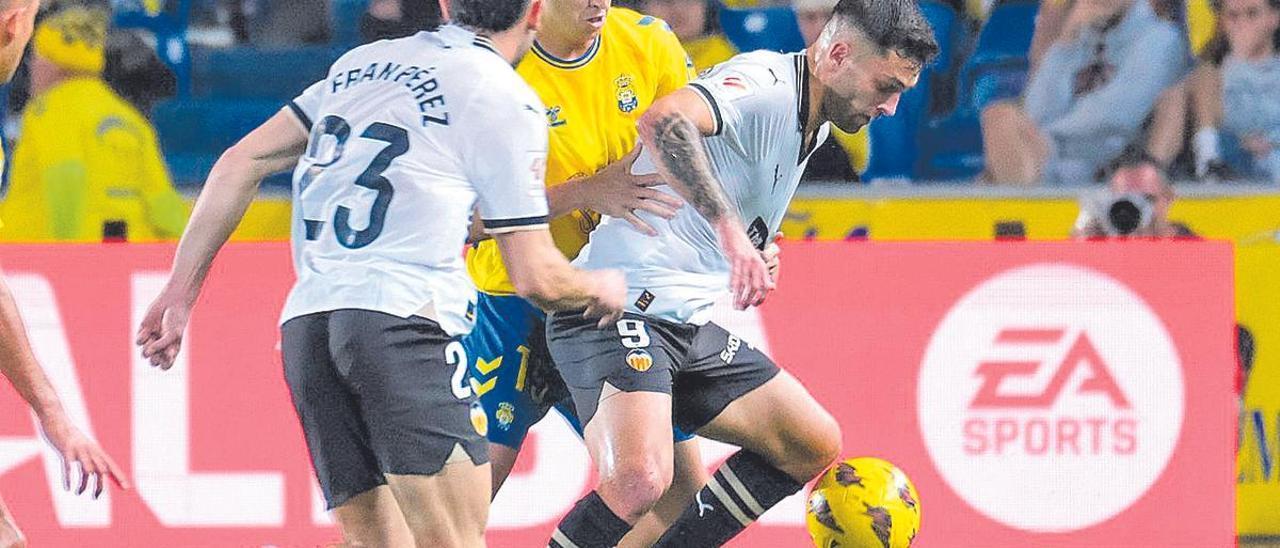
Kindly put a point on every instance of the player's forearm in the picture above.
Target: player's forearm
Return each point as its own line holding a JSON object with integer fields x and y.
{"x": 561, "y": 288}
{"x": 19, "y": 364}
{"x": 566, "y": 197}
{"x": 231, "y": 187}
{"x": 682, "y": 160}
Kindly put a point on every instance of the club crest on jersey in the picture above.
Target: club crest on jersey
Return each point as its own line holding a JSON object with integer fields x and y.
{"x": 553, "y": 117}
{"x": 640, "y": 360}
{"x": 479, "y": 420}
{"x": 505, "y": 414}
{"x": 627, "y": 98}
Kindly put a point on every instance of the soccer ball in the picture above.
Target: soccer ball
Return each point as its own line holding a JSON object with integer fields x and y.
{"x": 863, "y": 503}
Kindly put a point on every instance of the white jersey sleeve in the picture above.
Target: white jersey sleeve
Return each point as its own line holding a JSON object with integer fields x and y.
{"x": 305, "y": 106}
{"x": 747, "y": 100}
{"x": 506, "y": 160}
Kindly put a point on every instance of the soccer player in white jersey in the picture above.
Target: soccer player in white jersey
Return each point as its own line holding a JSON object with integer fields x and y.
{"x": 733, "y": 144}
{"x": 393, "y": 149}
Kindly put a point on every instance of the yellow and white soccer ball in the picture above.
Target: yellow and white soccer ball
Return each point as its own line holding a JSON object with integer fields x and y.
{"x": 863, "y": 503}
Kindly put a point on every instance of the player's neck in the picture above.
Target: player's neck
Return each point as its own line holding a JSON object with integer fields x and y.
{"x": 565, "y": 45}
{"x": 510, "y": 44}
{"x": 816, "y": 92}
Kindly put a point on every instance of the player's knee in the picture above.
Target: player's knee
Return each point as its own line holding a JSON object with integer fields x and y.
{"x": 817, "y": 446}
{"x": 631, "y": 490}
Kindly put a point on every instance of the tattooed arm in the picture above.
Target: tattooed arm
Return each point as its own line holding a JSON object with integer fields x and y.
{"x": 673, "y": 129}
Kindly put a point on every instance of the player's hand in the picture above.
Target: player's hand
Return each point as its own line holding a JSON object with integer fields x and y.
{"x": 82, "y": 458}
{"x": 610, "y": 296}
{"x": 772, "y": 256}
{"x": 160, "y": 334}
{"x": 748, "y": 275}
{"x": 616, "y": 192}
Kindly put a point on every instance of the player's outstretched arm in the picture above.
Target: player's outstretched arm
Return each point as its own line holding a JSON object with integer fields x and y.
{"x": 617, "y": 192}
{"x": 541, "y": 274}
{"x": 274, "y": 146}
{"x": 673, "y": 128}
{"x": 19, "y": 365}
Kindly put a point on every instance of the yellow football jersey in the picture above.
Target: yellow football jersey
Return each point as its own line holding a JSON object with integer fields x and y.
{"x": 592, "y": 103}
{"x": 86, "y": 157}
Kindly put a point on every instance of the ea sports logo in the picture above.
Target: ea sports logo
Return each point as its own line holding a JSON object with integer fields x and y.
{"x": 1051, "y": 398}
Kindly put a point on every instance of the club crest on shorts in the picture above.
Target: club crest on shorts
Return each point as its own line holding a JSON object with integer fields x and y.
{"x": 479, "y": 420}
{"x": 627, "y": 99}
{"x": 505, "y": 414}
{"x": 640, "y": 360}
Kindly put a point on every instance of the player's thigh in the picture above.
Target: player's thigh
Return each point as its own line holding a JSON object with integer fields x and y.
{"x": 733, "y": 392}
{"x": 331, "y": 418}
{"x": 449, "y": 508}
{"x": 510, "y": 368}
{"x": 373, "y": 518}
{"x": 781, "y": 421}
{"x": 635, "y": 356}
{"x": 410, "y": 378}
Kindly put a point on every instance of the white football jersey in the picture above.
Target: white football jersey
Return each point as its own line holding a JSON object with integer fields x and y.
{"x": 407, "y": 136}
{"x": 760, "y": 101}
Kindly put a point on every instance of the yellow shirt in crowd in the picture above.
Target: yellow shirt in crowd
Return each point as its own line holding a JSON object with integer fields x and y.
{"x": 86, "y": 157}
{"x": 592, "y": 103}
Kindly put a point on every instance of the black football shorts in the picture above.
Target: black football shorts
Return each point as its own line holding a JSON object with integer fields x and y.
{"x": 704, "y": 368}
{"x": 376, "y": 395}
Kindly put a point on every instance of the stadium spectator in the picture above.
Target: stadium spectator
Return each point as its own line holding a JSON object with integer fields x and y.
{"x": 1230, "y": 98}
{"x": 845, "y": 155}
{"x": 696, "y": 24}
{"x": 1087, "y": 98}
{"x": 387, "y": 19}
{"x": 86, "y": 164}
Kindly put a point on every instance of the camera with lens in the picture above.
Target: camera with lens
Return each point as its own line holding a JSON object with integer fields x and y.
{"x": 1122, "y": 214}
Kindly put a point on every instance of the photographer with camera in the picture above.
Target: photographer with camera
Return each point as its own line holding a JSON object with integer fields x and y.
{"x": 1134, "y": 205}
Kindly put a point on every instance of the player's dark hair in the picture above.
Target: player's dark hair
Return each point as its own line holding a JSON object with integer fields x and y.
{"x": 488, "y": 15}
{"x": 892, "y": 25}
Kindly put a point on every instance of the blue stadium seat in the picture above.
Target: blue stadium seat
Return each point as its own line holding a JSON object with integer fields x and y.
{"x": 950, "y": 146}
{"x": 194, "y": 132}
{"x": 893, "y": 140}
{"x": 253, "y": 73}
{"x": 772, "y": 28}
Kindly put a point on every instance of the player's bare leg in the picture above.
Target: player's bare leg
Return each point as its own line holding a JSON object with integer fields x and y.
{"x": 10, "y": 536}
{"x": 629, "y": 439}
{"x": 502, "y": 460}
{"x": 1016, "y": 152}
{"x": 372, "y": 518}
{"x": 787, "y": 439}
{"x": 690, "y": 475}
{"x": 447, "y": 510}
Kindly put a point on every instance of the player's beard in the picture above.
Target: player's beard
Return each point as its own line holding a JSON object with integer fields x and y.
{"x": 836, "y": 109}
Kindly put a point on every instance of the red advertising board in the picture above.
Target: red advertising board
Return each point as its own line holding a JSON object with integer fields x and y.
{"x": 1038, "y": 394}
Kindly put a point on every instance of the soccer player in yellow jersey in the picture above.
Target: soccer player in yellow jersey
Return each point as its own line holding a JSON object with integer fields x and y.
{"x": 596, "y": 69}
{"x": 81, "y": 456}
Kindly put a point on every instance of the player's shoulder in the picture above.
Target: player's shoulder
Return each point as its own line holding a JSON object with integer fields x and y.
{"x": 622, "y": 24}
{"x": 764, "y": 69}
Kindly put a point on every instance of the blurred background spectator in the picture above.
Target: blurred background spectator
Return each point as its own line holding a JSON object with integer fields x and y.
{"x": 387, "y": 19}
{"x": 1232, "y": 100}
{"x": 1135, "y": 204}
{"x": 696, "y": 24}
{"x": 87, "y": 165}
{"x": 1088, "y": 97}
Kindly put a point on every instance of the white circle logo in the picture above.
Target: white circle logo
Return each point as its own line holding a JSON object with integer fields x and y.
{"x": 1051, "y": 398}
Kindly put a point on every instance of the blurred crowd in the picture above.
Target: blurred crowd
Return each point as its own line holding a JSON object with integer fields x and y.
{"x": 1179, "y": 90}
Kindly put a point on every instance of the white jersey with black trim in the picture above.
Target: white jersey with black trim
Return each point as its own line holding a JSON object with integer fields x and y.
{"x": 760, "y": 101}
{"x": 407, "y": 136}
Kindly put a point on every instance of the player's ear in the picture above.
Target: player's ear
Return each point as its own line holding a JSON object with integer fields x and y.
{"x": 534, "y": 20}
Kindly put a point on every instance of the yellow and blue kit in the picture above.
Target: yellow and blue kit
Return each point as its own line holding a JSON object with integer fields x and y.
{"x": 593, "y": 103}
